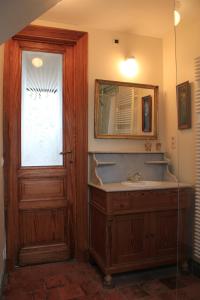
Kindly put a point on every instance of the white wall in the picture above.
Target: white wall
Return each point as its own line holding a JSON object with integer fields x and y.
{"x": 104, "y": 59}
{"x": 169, "y": 99}
{"x": 2, "y": 236}
{"x": 187, "y": 48}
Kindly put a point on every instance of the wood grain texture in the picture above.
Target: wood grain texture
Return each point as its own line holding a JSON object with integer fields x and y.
{"x": 34, "y": 172}
{"x": 45, "y": 226}
{"x": 53, "y": 35}
{"x": 98, "y": 222}
{"x": 138, "y": 229}
{"x": 129, "y": 238}
{"x": 137, "y": 201}
{"x": 43, "y": 254}
{"x": 45, "y": 187}
{"x": 40, "y": 204}
{"x": 11, "y": 110}
{"x": 164, "y": 228}
{"x": 31, "y": 45}
{"x": 81, "y": 104}
{"x": 44, "y": 190}
{"x": 70, "y": 129}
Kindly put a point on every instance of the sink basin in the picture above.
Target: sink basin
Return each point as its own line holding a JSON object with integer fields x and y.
{"x": 142, "y": 183}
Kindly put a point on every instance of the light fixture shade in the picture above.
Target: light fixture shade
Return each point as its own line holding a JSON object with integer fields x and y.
{"x": 129, "y": 67}
{"x": 37, "y": 62}
{"x": 177, "y": 17}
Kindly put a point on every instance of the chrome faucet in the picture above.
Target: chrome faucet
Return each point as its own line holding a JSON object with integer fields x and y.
{"x": 134, "y": 177}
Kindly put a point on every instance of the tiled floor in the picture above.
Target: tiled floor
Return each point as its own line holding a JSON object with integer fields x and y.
{"x": 81, "y": 281}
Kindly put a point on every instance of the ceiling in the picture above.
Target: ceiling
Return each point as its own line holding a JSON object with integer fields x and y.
{"x": 15, "y": 15}
{"x": 143, "y": 17}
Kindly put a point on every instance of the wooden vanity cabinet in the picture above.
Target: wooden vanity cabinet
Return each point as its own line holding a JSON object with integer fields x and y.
{"x": 138, "y": 229}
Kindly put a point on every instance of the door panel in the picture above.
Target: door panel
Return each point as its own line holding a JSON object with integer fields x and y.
{"x": 43, "y": 253}
{"x": 42, "y": 226}
{"x": 47, "y": 187}
{"x": 43, "y": 219}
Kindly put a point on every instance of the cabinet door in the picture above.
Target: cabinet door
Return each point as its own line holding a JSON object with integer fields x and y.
{"x": 164, "y": 233}
{"x": 130, "y": 238}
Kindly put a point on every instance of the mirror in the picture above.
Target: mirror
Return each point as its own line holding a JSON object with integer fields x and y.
{"x": 125, "y": 110}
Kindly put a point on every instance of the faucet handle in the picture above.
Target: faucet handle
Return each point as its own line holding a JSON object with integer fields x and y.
{"x": 137, "y": 176}
{"x": 134, "y": 177}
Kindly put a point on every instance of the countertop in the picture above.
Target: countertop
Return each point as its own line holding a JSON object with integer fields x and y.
{"x": 119, "y": 187}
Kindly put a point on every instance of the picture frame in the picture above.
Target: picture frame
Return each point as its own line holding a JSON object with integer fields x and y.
{"x": 184, "y": 105}
{"x": 147, "y": 113}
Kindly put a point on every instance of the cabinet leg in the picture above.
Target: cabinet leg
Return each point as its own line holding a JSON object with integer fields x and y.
{"x": 91, "y": 260}
{"x": 185, "y": 267}
{"x": 108, "y": 282}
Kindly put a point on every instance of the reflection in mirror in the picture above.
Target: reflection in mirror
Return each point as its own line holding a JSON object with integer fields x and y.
{"x": 125, "y": 110}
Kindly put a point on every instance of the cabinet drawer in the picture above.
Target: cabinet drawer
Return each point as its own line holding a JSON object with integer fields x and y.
{"x": 152, "y": 200}
{"x": 139, "y": 201}
{"x": 120, "y": 202}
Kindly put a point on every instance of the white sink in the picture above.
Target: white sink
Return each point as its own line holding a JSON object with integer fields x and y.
{"x": 142, "y": 183}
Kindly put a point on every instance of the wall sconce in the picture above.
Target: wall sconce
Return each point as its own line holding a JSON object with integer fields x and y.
{"x": 177, "y": 16}
{"x": 129, "y": 67}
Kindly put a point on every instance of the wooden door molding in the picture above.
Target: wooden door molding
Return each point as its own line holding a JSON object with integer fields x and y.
{"x": 36, "y": 33}
{"x": 77, "y": 84}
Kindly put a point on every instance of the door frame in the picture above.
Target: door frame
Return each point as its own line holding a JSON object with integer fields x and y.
{"x": 79, "y": 98}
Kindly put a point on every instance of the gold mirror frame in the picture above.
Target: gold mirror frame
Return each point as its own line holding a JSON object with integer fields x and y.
{"x": 98, "y": 135}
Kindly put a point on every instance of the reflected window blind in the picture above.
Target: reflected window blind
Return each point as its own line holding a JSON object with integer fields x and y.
{"x": 197, "y": 186}
{"x": 124, "y": 111}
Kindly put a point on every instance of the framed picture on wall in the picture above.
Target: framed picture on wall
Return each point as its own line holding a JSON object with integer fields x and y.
{"x": 147, "y": 113}
{"x": 184, "y": 105}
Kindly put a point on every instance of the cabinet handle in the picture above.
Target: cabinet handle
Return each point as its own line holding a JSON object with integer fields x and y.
{"x": 147, "y": 236}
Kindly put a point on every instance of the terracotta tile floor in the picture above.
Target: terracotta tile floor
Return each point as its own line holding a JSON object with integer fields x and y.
{"x": 81, "y": 281}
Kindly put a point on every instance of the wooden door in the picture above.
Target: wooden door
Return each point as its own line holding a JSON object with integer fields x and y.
{"x": 130, "y": 233}
{"x": 43, "y": 181}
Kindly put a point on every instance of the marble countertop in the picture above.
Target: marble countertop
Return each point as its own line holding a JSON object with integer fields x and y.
{"x": 120, "y": 187}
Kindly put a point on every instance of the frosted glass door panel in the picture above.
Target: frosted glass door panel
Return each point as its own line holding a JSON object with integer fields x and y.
{"x": 41, "y": 109}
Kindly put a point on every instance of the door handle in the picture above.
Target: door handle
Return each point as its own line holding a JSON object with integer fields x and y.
{"x": 65, "y": 152}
